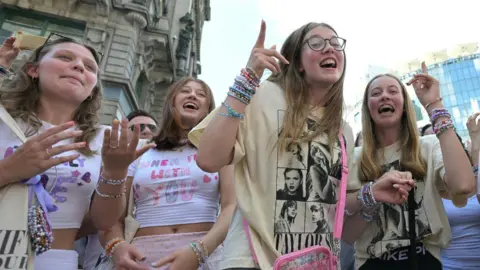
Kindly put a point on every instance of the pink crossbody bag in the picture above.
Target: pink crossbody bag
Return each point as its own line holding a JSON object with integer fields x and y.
{"x": 316, "y": 257}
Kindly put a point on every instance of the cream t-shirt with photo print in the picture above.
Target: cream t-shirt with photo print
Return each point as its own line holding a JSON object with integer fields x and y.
{"x": 390, "y": 230}
{"x": 288, "y": 198}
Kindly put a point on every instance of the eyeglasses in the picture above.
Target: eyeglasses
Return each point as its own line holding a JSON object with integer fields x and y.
{"x": 152, "y": 128}
{"x": 317, "y": 43}
{"x": 55, "y": 38}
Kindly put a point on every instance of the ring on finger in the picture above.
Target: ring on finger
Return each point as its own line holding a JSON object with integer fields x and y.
{"x": 113, "y": 147}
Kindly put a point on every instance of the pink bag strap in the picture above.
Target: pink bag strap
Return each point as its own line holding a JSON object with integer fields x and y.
{"x": 337, "y": 232}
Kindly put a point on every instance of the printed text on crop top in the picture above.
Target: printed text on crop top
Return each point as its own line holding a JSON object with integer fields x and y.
{"x": 169, "y": 188}
{"x": 71, "y": 185}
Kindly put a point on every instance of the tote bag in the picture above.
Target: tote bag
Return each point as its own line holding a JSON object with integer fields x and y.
{"x": 15, "y": 248}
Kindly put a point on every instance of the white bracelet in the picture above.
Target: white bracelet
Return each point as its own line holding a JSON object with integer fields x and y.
{"x": 112, "y": 181}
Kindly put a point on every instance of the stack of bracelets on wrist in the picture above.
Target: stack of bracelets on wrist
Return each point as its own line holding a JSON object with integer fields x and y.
{"x": 370, "y": 206}
{"x": 112, "y": 245}
{"x": 113, "y": 183}
{"x": 200, "y": 250}
{"x": 443, "y": 125}
{"x": 242, "y": 90}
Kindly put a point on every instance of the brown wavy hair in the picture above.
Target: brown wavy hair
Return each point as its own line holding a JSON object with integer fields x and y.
{"x": 171, "y": 130}
{"x": 21, "y": 98}
{"x": 411, "y": 157}
{"x": 291, "y": 80}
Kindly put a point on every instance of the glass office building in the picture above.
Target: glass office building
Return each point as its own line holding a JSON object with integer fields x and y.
{"x": 460, "y": 87}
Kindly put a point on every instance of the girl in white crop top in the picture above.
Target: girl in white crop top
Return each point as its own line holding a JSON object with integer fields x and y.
{"x": 58, "y": 84}
{"x": 176, "y": 203}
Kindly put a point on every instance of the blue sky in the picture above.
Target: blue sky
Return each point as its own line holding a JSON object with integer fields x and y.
{"x": 378, "y": 33}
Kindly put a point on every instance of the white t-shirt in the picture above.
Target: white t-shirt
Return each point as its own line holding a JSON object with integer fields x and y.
{"x": 71, "y": 184}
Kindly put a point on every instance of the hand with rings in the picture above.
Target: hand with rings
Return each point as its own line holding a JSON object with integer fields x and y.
{"x": 118, "y": 152}
{"x": 39, "y": 154}
{"x": 427, "y": 89}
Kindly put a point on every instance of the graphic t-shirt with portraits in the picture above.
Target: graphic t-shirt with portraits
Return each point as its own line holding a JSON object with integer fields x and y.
{"x": 288, "y": 197}
{"x": 385, "y": 236}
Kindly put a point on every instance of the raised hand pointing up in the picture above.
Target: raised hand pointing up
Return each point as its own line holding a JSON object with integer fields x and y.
{"x": 261, "y": 58}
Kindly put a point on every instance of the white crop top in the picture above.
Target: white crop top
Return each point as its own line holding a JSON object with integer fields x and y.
{"x": 171, "y": 189}
{"x": 76, "y": 181}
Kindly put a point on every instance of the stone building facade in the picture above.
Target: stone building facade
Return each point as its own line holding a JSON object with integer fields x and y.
{"x": 146, "y": 44}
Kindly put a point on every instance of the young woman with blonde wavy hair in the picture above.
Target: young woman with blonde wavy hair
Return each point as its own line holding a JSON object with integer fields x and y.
{"x": 300, "y": 104}
{"x": 55, "y": 98}
{"x": 397, "y": 180}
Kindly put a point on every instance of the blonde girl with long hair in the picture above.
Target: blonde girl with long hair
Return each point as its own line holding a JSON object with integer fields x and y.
{"x": 301, "y": 103}
{"x": 55, "y": 98}
{"x": 396, "y": 215}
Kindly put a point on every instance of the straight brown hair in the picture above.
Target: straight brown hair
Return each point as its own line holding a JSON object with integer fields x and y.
{"x": 171, "y": 129}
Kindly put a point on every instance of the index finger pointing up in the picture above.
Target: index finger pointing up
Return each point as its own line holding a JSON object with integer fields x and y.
{"x": 261, "y": 36}
{"x": 424, "y": 68}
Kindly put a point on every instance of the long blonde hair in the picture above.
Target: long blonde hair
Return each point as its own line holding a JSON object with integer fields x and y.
{"x": 21, "y": 98}
{"x": 410, "y": 159}
{"x": 297, "y": 95}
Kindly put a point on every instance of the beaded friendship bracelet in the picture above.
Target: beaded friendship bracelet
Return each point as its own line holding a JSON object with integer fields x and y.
{"x": 112, "y": 244}
{"x": 243, "y": 89}
{"x": 231, "y": 112}
{"x": 369, "y": 214}
{"x": 365, "y": 195}
{"x": 110, "y": 196}
{"x": 113, "y": 182}
{"x": 437, "y": 113}
{"x": 370, "y": 205}
{"x": 443, "y": 126}
{"x": 196, "y": 250}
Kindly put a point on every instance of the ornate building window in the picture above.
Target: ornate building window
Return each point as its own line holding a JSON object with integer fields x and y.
{"x": 35, "y": 23}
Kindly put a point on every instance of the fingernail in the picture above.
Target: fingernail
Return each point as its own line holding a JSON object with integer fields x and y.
{"x": 71, "y": 123}
{"x": 143, "y": 259}
{"x": 153, "y": 265}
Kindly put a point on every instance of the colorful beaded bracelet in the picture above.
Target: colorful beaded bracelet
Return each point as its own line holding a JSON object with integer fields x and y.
{"x": 231, "y": 112}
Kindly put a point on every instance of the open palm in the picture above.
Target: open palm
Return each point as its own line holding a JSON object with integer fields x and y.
{"x": 8, "y": 52}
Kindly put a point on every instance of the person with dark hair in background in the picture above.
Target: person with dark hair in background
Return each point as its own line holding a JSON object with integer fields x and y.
{"x": 426, "y": 130}
{"x": 148, "y": 123}
{"x": 359, "y": 139}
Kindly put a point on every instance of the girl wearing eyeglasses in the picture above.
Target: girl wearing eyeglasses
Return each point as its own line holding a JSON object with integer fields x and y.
{"x": 301, "y": 104}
